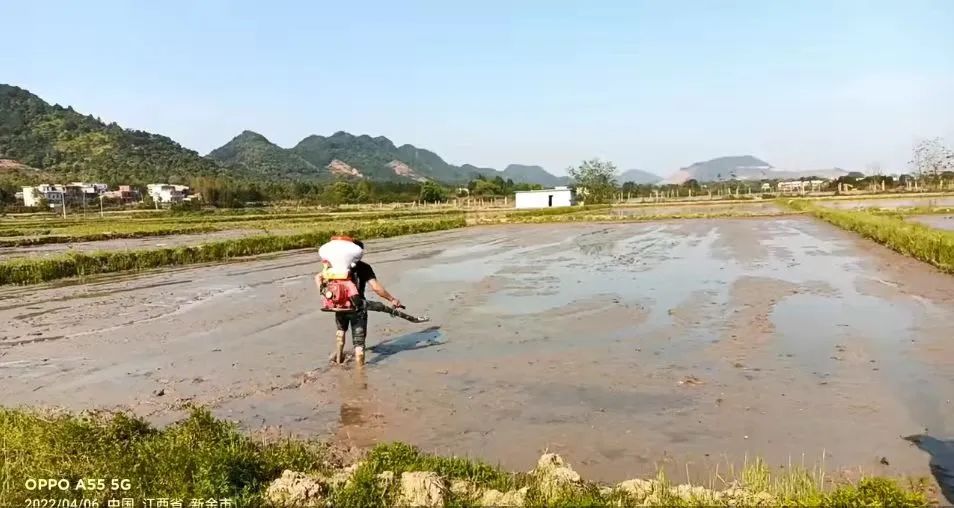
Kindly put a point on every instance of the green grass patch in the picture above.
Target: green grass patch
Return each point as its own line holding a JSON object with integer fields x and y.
{"x": 104, "y": 235}
{"x": 909, "y": 238}
{"x": 31, "y": 271}
{"x": 909, "y": 211}
{"x": 199, "y": 457}
{"x": 203, "y": 457}
{"x": 173, "y": 224}
{"x": 365, "y": 488}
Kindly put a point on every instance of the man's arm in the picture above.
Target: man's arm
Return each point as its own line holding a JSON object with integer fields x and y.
{"x": 383, "y": 293}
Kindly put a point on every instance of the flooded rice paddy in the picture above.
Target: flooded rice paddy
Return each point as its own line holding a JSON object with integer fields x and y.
{"x": 889, "y": 203}
{"x": 624, "y": 347}
{"x": 942, "y": 222}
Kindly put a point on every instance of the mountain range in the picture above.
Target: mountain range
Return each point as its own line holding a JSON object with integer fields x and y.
{"x": 744, "y": 167}
{"x": 363, "y": 157}
{"x": 70, "y": 145}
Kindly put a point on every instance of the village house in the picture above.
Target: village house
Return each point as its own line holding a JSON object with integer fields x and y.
{"x": 55, "y": 194}
{"x": 545, "y": 198}
{"x": 167, "y": 193}
{"x": 125, "y": 194}
{"x": 800, "y": 186}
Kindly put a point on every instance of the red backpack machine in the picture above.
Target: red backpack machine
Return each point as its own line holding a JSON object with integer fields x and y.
{"x": 339, "y": 291}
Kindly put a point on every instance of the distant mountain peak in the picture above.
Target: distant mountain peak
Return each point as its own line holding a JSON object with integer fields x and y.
{"x": 638, "y": 177}
{"x": 248, "y": 135}
{"x": 744, "y": 167}
{"x": 255, "y": 153}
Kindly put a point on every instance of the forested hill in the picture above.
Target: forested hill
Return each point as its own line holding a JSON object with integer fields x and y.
{"x": 75, "y": 146}
{"x": 259, "y": 156}
{"x": 361, "y": 157}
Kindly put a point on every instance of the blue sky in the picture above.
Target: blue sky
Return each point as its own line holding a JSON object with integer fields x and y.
{"x": 647, "y": 84}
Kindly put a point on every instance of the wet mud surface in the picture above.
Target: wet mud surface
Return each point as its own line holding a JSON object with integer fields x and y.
{"x": 944, "y": 222}
{"x": 738, "y": 207}
{"x": 51, "y": 249}
{"x": 889, "y": 203}
{"x": 680, "y": 344}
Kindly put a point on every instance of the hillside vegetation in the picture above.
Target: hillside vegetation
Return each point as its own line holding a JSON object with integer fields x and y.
{"x": 74, "y": 146}
{"x": 345, "y": 155}
{"x": 77, "y": 146}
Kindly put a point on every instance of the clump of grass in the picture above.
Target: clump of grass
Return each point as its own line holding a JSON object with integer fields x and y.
{"x": 909, "y": 238}
{"x": 365, "y": 489}
{"x": 31, "y": 271}
{"x": 199, "y": 457}
{"x": 22, "y": 232}
{"x": 914, "y": 210}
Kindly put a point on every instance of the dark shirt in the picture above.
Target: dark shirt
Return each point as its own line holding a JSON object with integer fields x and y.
{"x": 362, "y": 274}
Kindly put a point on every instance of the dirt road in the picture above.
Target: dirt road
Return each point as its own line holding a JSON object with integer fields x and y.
{"x": 621, "y": 346}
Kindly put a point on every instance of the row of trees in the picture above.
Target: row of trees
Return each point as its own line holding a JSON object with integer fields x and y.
{"x": 596, "y": 182}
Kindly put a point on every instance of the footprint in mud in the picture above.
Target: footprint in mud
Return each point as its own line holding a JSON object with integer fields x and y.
{"x": 351, "y": 415}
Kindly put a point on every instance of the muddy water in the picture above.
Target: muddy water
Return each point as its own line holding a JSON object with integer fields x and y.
{"x": 625, "y": 347}
{"x": 889, "y": 203}
{"x": 741, "y": 208}
{"x": 945, "y": 222}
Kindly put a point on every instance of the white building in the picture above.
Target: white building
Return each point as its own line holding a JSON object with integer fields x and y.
{"x": 800, "y": 186}
{"x": 91, "y": 189}
{"x": 545, "y": 198}
{"x": 54, "y": 194}
{"x": 166, "y": 193}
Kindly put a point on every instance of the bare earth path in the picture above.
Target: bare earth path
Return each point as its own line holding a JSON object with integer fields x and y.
{"x": 621, "y": 346}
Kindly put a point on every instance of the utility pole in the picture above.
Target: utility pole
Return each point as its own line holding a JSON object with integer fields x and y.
{"x": 100, "y": 206}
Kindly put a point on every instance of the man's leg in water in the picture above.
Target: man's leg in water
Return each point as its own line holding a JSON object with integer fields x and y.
{"x": 359, "y": 332}
{"x": 341, "y": 322}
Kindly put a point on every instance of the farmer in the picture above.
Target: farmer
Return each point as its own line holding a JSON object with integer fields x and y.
{"x": 358, "y": 320}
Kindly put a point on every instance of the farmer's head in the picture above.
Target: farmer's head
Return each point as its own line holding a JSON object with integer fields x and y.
{"x": 359, "y": 243}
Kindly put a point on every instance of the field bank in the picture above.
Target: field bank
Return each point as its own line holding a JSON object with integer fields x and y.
{"x": 621, "y": 346}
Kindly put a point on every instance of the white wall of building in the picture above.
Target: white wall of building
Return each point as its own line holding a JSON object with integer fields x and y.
{"x": 548, "y": 198}
{"x": 31, "y": 196}
{"x": 165, "y": 193}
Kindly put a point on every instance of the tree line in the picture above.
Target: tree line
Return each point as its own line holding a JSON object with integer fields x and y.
{"x": 596, "y": 182}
